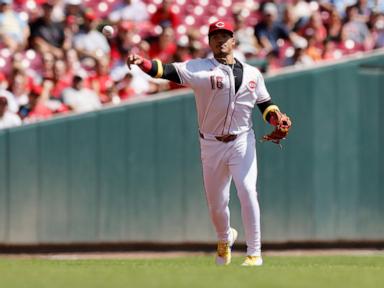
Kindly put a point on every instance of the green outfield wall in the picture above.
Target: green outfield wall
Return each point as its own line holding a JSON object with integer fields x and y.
{"x": 132, "y": 173}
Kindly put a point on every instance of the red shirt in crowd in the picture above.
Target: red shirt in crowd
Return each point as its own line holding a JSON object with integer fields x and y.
{"x": 164, "y": 54}
{"x": 166, "y": 16}
{"x": 102, "y": 83}
{"x": 60, "y": 85}
{"x": 40, "y": 111}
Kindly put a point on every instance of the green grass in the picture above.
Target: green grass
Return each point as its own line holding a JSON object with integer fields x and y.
{"x": 199, "y": 272}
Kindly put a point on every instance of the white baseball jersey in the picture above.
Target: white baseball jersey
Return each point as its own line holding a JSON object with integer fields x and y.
{"x": 220, "y": 110}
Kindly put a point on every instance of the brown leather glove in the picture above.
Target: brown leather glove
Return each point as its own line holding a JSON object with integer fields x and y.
{"x": 282, "y": 123}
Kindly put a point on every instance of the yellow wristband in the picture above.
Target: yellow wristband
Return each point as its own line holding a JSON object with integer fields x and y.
{"x": 270, "y": 108}
{"x": 159, "y": 69}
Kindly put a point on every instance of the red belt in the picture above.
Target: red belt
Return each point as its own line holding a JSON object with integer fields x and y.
{"x": 224, "y": 138}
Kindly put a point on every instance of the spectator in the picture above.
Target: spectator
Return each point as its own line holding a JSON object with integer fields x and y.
{"x": 378, "y": 31}
{"x": 314, "y": 29}
{"x": 11, "y": 101}
{"x": 299, "y": 58}
{"x": 125, "y": 89}
{"x": 141, "y": 83}
{"x": 59, "y": 8}
{"x": 62, "y": 79}
{"x": 48, "y": 65}
{"x": 269, "y": 30}
{"x": 89, "y": 42}
{"x": 73, "y": 8}
{"x": 122, "y": 44}
{"x": 334, "y": 26}
{"x": 72, "y": 61}
{"x": 164, "y": 47}
{"x": 331, "y": 51}
{"x": 196, "y": 49}
{"x": 35, "y": 109}
{"x": 8, "y": 119}
{"x": 356, "y": 32}
{"x": 182, "y": 51}
{"x": 129, "y": 10}
{"x": 314, "y": 49}
{"x": 112, "y": 94}
{"x": 20, "y": 85}
{"x": 14, "y": 31}
{"x": 71, "y": 27}
{"x": 12, "y": 105}
{"x": 166, "y": 16}
{"x": 244, "y": 34}
{"x": 288, "y": 20}
{"x": 363, "y": 10}
{"x": 101, "y": 81}
{"x": 47, "y": 36}
{"x": 78, "y": 98}
{"x": 274, "y": 62}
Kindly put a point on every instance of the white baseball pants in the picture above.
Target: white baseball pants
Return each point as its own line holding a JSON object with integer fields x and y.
{"x": 221, "y": 162}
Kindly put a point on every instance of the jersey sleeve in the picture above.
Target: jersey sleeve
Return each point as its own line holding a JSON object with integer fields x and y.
{"x": 165, "y": 71}
{"x": 185, "y": 72}
{"x": 261, "y": 91}
{"x": 170, "y": 73}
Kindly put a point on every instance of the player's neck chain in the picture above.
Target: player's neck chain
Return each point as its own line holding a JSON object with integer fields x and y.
{"x": 226, "y": 62}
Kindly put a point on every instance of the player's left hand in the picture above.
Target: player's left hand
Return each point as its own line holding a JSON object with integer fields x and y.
{"x": 283, "y": 124}
{"x": 134, "y": 59}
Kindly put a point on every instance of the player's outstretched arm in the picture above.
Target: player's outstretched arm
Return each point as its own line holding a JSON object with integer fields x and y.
{"x": 154, "y": 68}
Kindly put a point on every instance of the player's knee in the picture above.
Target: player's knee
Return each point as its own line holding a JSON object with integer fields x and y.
{"x": 247, "y": 195}
{"x": 217, "y": 210}
{"x": 246, "y": 188}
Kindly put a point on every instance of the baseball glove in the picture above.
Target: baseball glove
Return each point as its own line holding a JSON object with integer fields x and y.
{"x": 282, "y": 124}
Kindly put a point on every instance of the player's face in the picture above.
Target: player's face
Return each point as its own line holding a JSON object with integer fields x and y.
{"x": 222, "y": 43}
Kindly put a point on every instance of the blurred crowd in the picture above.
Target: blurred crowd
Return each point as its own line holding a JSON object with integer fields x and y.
{"x": 54, "y": 59}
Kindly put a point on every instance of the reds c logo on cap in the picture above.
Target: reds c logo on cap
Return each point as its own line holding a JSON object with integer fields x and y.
{"x": 220, "y": 25}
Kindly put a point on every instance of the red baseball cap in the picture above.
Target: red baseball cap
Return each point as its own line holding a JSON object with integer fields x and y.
{"x": 90, "y": 15}
{"x": 220, "y": 25}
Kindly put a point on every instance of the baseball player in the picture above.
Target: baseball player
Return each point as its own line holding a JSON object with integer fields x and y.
{"x": 226, "y": 90}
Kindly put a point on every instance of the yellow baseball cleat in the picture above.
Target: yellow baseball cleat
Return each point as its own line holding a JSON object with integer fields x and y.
{"x": 223, "y": 256}
{"x": 253, "y": 261}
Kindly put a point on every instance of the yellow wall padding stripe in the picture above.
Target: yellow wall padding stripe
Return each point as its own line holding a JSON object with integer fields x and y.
{"x": 270, "y": 108}
{"x": 160, "y": 69}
